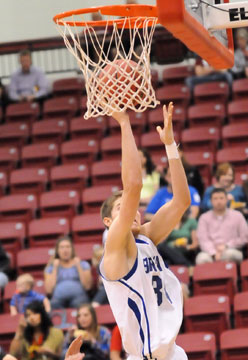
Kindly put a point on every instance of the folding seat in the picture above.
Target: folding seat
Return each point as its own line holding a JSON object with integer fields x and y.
{"x": 211, "y": 91}
{"x": 14, "y": 135}
{"x": 207, "y": 114}
{"x": 79, "y": 150}
{"x": 235, "y": 135}
{"x": 215, "y": 278}
{"x": 234, "y": 344}
{"x": 240, "y": 177}
{"x": 18, "y": 207}
{"x": 240, "y": 89}
{"x": 93, "y": 197}
{"x": 50, "y": 131}
{"x": 106, "y": 172}
{"x": 198, "y": 346}
{"x": 9, "y": 157}
{"x": 151, "y": 141}
{"x": 59, "y": 203}
{"x": 181, "y": 272}
{"x": 237, "y": 111}
{"x": 87, "y": 228}
{"x": 179, "y": 94}
{"x": 235, "y": 155}
{"x": 39, "y": 155}
{"x": 176, "y": 74}
{"x": 3, "y": 183}
{"x": 93, "y": 128}
{"x": 64, "y": 107}
{"x": 244, "y": 275}
{"x": 71, "y": 176}
{"x": 69, "y": 87}
{"x": 8, "y": 328}
{"x": 154, "y": 78}
{"x": 104, "y": 315}
{"x": 204, "y": 161}
{"x": 30, "y": 180}
{"x": 137, "y": 120}
{"x": 34, "y": 261}
{"x": 12, "y": 235}
{"x": 202, "y": 138}
{"x": 155, "y": 118}
{"x": 45, "y": 232}
{"x": 26, "y": 112}
{"x": 207, "y": 313}
{"x": 84, "y": 251}
{"x": 111, "y": 147}
{"x": 240, "y": 308}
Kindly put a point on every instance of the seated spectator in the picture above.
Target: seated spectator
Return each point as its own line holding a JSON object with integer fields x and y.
{"x": 116, "y": 348}
{"x": 99, "y": 293}
{"x": 4, "y": 267}
{"x": 225, "y": 179}
{"x": 96, "y": 338}
{"x": 240, "y": 68}
{"x": 67, "y": 278}
{"x": 164, "y": 195}
{"x": 25, "y": 295}
{"x": 2, "y": 353}
{"x": 36, "y": 338}
{"x": 29, "y": 82}
{"x": 221, "y": 232}
{"x": 150, "y": 178}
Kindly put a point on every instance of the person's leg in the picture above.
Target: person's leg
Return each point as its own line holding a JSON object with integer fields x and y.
{"x": 172, "y": 256}
{"x": 3, "y": 280}
{"x": 100, "y": 297}
{"x": 203, "y": 258}
{"x": 57, "y": 303}
{"x": 232, "y": 255}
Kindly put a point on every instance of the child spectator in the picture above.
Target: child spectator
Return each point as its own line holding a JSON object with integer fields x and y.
{"x": 25, "y": 295}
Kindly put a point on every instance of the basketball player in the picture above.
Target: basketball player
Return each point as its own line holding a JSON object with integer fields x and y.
{"x": 145, "y": 297}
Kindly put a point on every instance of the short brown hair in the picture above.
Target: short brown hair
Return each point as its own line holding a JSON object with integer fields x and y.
{"x": 108, "y": 204}
{"x": 25, "y": 52}
{"x": 222, "y": 169}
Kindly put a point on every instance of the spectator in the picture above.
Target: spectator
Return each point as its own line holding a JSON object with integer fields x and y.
{"x": 221, "y": 232}
{"x": 99, "y": 293}
{"x": 67, "y": 278}
{"x": 29, "y": 82}
{"x": 36, "y": 338}
{"x": 150, "y": 178}
{"x": 240, "y": 68}
{"x": 4, "y": 267}
{"x": 164, "y": 195}
{"x": 2, "y": 353}
{"x": 25, "y": 295}
{"x": 96, "y": 338}
{"x": 225, "y": 179}
{"x": 116, "y": 348}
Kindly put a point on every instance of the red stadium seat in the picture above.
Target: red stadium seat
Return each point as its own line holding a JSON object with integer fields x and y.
{"x": 71, "y": 176}
{"x": 104, "y": 315}
{"x": 70, "y": 87}
{"x": 106, "y": 172}
{"x": 12, "y": 235}
{"x": 3, "y": 183}
{"x": 25, "y": 112}
{"x": 9, "y": 157}
{"x": 240, "y": 177}
{"x": 198, "y": 346}
{"x": 79, "y": 150}
{"x": 111, "y": 147}
{"x": 215, "y": 278}
{"x": 152, "y": 142}
{"x": 34, "y": 261}
{"x": 235, "y": 135}
{"x": 204, "y": 161}
{"x": 39, "y": 155}
{"x": 211, "y": 91}
{"x": 59, "y": 203}
{"x": 45, "y": 232}
{"x": 87, "y": 228}
{"x": 137, "y": 120}
{"x": 240, "y": 89}
{"x": 64, "y": 106}
{"x": 154, "y": 78}
{"x": 52, "y": 131}
{"x": 93, "y": 197}
{"x": 84, "y": 251}
{"x": 200, "y": 139}
{"x": 181, "y": 272}
{"x": 234, "y": 345}
{"x": 207, "y": 313}
{"x": 244, "y": 275}
{"x": 93, "y": 128}
{"x": 155, "y": 118}
{"x": 209, "y": 114}
{"x": 18, "y": 207}
{"x": 177, "y": 74}
{"x": 238, "y": 156}
{"x": 237, "y": 111}
{"x": 179, "y": 94}
{"x": 30, "y": 180}
{"x": 241, "y": 309}
{"x": 15, "y": 135}
{"x": 8, "y": 329}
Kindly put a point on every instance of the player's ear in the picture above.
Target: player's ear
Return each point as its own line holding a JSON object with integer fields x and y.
{"x": 107, "y": 221}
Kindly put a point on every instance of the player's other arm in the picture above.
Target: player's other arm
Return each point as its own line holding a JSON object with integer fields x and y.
{"x": 169, "y": 215}
{"x": 120, "y": 248}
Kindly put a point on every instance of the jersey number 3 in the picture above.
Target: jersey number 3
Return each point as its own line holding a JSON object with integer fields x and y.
{"x": 157, "y": 287}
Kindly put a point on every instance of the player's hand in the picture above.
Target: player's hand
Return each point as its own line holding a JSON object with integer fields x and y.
{"x": 121, "y": 117}
{"x": 73, "y": 353}
{"x": 9, "y": 357}
{"x": 166, "y": 134}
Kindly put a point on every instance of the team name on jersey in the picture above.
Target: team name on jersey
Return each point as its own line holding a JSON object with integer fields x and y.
{"x": 152, "y": 264}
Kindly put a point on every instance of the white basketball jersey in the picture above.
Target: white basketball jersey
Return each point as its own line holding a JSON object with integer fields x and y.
{"x": 147, "y": 305}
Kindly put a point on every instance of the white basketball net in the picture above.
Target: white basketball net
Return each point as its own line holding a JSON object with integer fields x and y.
{"x": 107, "y": 92}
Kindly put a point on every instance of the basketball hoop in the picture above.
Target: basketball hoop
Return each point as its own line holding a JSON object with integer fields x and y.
{"x": 114, "y": 82}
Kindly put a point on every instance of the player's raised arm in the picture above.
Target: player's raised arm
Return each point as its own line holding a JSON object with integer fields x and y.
{"x": 169, "y": 215}
{"x": 120, "y": 248}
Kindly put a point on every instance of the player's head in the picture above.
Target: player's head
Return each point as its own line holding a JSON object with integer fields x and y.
{"x": 219, "y": 199}
{"x": 25, "y": 60}
{"x": 24, "y": 283}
